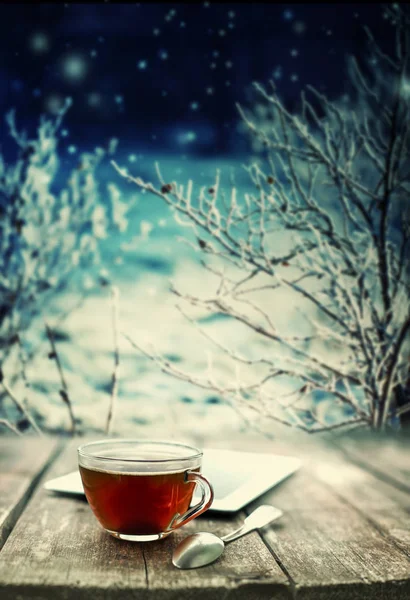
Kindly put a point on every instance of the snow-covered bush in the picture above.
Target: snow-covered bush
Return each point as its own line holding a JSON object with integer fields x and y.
{"x": 327, "y": 228}
{"x": 50, "y": 226}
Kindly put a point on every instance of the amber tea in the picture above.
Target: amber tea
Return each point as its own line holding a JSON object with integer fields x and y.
{"x": 142, "y": 491}
{"x": 137, "y": 503}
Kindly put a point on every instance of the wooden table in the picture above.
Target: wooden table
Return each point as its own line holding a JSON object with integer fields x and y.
{"x": 345, "y": 533}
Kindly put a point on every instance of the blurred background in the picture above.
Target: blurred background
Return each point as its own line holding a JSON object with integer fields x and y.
{"x": 164, "y": 80}
{"x": 166, "y": 76}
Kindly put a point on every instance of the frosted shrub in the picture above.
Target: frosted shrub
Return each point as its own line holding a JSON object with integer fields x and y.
{"x": 50, "y": 227}
{"x": 326, "y": 228}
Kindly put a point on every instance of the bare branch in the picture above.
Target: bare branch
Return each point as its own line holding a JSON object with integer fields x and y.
{"x": 114, "y": 378}
{"x": 10, "y": 426}
{"x": 64, "y": 389}
{"x": 20, "y": 405}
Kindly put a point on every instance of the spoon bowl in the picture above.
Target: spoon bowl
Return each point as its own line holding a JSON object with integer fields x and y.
{"x": 204, "y": 548}
{"x": 197, "y": 550}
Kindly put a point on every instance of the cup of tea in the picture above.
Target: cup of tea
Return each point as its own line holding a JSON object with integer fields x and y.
{"x": 142, "y": 490}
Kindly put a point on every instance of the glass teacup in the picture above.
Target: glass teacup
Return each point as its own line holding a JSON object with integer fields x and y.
{"x": 142, "y": 490}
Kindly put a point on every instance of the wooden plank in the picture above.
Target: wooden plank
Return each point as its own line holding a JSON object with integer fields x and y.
{"x": 327, "y": 546}
{"x": 387, "y": 457}
{"x": 382, "y": 504}
{"x": 58, "y": 550}
{"x": 22, "y": 462}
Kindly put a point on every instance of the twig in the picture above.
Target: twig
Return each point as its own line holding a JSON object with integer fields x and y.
{"x": 10, "y": 426}
{"x": 403, "y": 410}
{"x": 19, "y": 404}
{"x": 23, "y": 361}
{"x": 64, "y": 390}
{"x": 114, "y": 378}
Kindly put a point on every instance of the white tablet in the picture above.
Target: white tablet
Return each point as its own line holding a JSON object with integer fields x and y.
{"x": 237, "y": 477}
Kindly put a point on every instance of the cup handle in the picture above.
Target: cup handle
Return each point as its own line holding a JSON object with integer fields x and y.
{"x": 201, "y": 506}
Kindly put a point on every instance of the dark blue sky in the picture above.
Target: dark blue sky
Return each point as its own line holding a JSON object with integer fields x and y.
{"x": 169, "y": 74}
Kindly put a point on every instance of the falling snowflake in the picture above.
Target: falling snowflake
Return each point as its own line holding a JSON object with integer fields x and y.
{"x": 93, "y": 53}
{"x": 156, "y": 31}
{"x": 277, "y": 73}
{"x": 288, "y": 15}
{"x": 171, "y": 14}
{"x": 299, "y": 27}
{"x": 210, "y": 91}
{"x": 163, "y": 54}
{"x": 294, "y": 52}
{"x": 54, "y": 103}
{"x": 222, "y": 32}
{"x": 215, "y": 53}
{"x": 186, "y": 137}
{"x": 75, "y": 68}
{"x": 194, "y": 106}
{"x": 36, "y": 92}
{"x": 213, "y": 65}
{"x": 227, "y": 83}
{"x": 64, "y": 133}
{"x": 119, "y": 99}
{"x": 94, "y": 99}
{"x": 182, "y": 24}
{"x": 142, "y": 65}
{"x": 228, "y": 64}
{"x": 294, "y": 77}
{"x": 231, "y": 14}
{"x": 72, "y": 149}
{"x": 132, "y": 158}
{"x": 164, "y": 93}
{"x": 39, "y": 42}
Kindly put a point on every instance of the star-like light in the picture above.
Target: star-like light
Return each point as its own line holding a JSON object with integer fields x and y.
{"x": 39, "y": 43}
{"x": 74, "y": 68}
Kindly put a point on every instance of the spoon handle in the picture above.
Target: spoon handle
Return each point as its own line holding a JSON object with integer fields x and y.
{"x": 234, "y": 535}
{"x": 260, "y": 517}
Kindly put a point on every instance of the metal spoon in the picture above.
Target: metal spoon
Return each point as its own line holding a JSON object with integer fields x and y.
{"x": 203, "y": 548}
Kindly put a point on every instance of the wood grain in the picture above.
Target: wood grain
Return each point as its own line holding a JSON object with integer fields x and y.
{"x": 383, "y": 505}
{"x": 387, "y": 457}
{"x": 22, "y": 462}
{"x": 58, "y": 550}
{"x": 345, "y": 535}
{"x": 328, "y": 544}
